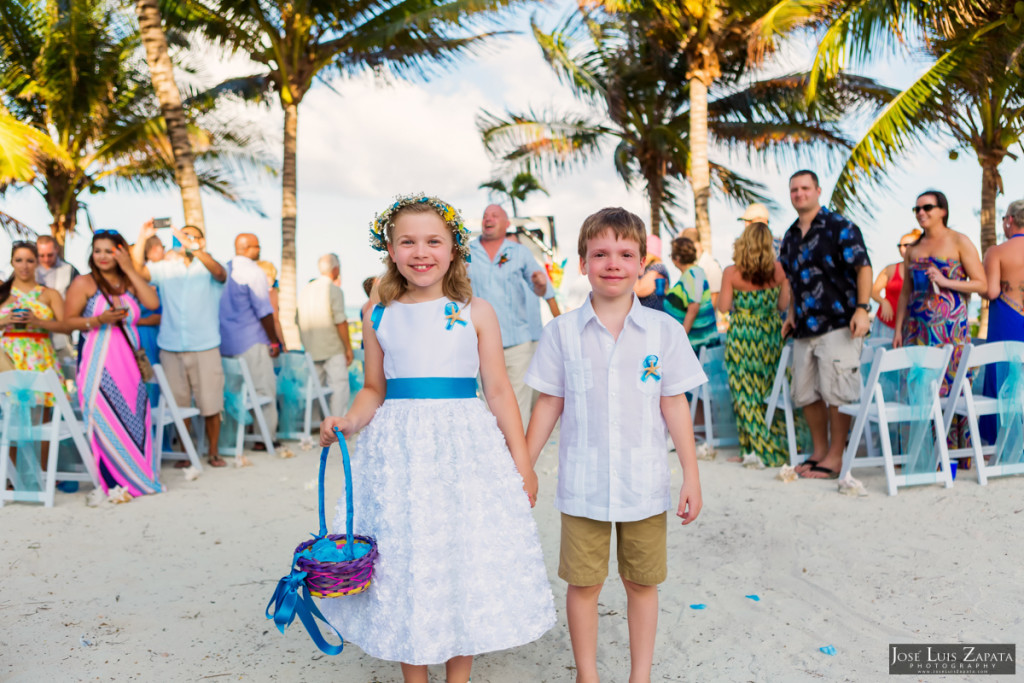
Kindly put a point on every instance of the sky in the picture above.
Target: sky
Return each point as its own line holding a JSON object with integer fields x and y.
{"x": 362, "y": 141}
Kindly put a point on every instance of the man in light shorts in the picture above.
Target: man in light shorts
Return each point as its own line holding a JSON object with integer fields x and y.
{"x": 189, "y": 337}
{"x": 828, "y": 268}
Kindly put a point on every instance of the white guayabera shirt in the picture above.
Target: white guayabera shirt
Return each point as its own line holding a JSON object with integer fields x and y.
{"x": 612, "y": 454}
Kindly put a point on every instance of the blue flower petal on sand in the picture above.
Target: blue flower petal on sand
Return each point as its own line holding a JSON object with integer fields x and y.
{"x": 828, "y": 649}
{"x": 755, "y": 598}
{"x": 698, "y": 606}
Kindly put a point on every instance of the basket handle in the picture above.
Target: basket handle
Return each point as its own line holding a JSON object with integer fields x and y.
{"x": 349, "y": 508}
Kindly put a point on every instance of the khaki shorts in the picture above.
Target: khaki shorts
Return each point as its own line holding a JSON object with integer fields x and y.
{"x": 640, "y": 549}
{"x": 827, "y": 368}
{"x": 195, "y": 373}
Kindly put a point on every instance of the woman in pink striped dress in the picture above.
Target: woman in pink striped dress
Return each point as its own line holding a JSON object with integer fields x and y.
{"x": 105, "y": 305}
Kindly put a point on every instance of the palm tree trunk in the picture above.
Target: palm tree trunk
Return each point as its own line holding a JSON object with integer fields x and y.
{"x": 990, "y": 182}
{"x": 700, "y": 169}
{"x": 655, "y": 190}
{"x": 289, "y": 212}
{"x": 162, "y": 74}
{"x": 63, "y": 206}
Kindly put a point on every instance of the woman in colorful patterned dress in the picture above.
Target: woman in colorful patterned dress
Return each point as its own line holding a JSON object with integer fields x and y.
{"x": 755, "y": 290}
{"x": 29, "y": 312}
{"x": 689, "y": 300}
{"x": 105, "y": 305}
{"x": 942, "y": 269}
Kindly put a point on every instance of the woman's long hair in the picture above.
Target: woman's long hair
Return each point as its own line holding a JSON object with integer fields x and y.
{"x": 101, "y": 280}
{"x": 5, "y": 287}
{"x": 392, "y": 284}
{"x": 754, "y": 255}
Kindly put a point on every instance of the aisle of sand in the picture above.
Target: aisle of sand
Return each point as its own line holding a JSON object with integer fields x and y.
{"x": 173, "y": 587}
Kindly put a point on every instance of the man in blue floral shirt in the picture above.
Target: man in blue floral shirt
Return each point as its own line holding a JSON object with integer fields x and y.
{"x": 828, "y": 268}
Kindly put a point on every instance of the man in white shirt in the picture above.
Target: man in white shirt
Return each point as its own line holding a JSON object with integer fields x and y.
{"x": 55, "y": 273}
{"x": 323, "y": 327}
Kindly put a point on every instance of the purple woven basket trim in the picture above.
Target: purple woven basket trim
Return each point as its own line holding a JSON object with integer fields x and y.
{"x": 332, "y": 577}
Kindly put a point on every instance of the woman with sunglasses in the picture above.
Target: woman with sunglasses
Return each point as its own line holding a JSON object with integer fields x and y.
{"x": 105, "y": 305}
{"x": 887, "y": 288}
{"x": 29, "y": 313}
{"x": 942, "y": 270}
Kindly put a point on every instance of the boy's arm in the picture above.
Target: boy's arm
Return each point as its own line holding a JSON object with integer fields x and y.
{"x": 676, "y": 410}
{"x": 545, "y": 414}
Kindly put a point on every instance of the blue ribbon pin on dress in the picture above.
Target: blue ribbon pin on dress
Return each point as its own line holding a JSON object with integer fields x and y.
{"x": 651, "y": 369}
{"x": 451, "y": 313}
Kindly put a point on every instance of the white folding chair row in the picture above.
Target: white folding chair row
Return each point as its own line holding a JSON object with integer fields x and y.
{"x": 874, "y": 408}
{"x": 703, "y": 398}
{"x": 963, "y": 402}
{"x": 315, "y": 394}
{"x": 252, "y": 402}
{"x": 167, "y": 414}
{"x": 62, "y": 425}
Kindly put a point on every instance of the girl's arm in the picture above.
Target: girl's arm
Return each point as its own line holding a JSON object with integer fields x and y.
{"x": 724, "y": 304}
{"x": 371, "y": 396}
{"x": 545, "y": 414}
{"x": 501, "y": 399}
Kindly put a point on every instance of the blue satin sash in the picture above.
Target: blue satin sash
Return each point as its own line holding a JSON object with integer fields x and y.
{"x": 432, "y": 387}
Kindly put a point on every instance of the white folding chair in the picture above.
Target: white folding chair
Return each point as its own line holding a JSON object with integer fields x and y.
{"x": 253, "y": 402}
{"x": 62, "y": 425}
{"x": 873, "y": 407}
{"x": 709, "y": 356}
{"x": 779, "y": 397}
{"x": 168, "y": 413}
{"x": 316, "y": 393}
{"x": 962, "y": 401}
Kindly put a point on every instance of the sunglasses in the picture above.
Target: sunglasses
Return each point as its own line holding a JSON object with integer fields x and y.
{"x": 22, "y": 243}
{"x": 904, "y": 245}
{"x": 105, "y": 233}
{"x": 924, "y": 207}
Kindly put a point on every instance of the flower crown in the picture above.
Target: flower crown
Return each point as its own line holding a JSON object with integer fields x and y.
{"x": 385, "y": 219}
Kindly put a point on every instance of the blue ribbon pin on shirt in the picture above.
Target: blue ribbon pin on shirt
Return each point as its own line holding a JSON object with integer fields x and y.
{"x": 651, "y": 369}
{"x": 451, "y": 312}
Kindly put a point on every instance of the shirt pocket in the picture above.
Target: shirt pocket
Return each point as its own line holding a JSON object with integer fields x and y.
{"x": 579, "y": 377}
{"x": 643, "y": 479}
{"x": 648, "y": 375}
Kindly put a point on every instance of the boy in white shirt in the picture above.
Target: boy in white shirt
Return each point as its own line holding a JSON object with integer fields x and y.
{"x": 616, "y": 373}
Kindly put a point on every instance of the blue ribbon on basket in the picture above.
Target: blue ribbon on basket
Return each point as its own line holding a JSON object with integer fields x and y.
{"x": 291, "y": 597}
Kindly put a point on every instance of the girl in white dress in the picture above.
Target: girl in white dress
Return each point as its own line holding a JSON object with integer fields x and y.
{"x": 444, "y": 485}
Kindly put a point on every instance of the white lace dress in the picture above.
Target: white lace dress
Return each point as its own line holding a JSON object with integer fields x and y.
{"x": 460, "y": 570}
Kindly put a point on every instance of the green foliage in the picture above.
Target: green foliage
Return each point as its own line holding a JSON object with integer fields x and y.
{"x": 82, "y": 113}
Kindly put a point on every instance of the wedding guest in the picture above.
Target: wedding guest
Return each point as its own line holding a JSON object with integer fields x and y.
{"x": 56, "y": 274}
{"x": 689, "y": 300}
{"x": 654, "y": 281}
{"x": 247, "y": 323}
{"x": 189, "y": 285}
{"x": 323, "y": 327}
{"x": 887, "y": 288}
{"x": 105, "y": 304}
{"x": 754, "y": 291}
{"x": 29, "y": 313}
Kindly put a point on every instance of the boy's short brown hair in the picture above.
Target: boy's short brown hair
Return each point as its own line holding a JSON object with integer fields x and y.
{"x": 624, "y": 224}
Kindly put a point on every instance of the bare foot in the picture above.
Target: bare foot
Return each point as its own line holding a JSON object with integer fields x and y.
{"x": 734, "y": 458}
{"x": 182, "y": 464}
{"x": 217, "y": 461}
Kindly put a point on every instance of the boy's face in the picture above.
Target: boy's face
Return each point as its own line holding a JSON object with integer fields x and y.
{"x": 612, "y": 265}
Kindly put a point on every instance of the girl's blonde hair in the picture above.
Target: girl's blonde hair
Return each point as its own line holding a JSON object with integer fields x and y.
{"x": 392, "y": 284}
{"x": 754, "y": 256}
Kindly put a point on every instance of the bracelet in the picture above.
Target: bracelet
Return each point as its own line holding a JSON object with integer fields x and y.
{"x": 87, "y": 323}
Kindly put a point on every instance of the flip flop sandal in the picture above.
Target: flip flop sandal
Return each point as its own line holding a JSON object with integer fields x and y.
{"x": 832, "y": 474}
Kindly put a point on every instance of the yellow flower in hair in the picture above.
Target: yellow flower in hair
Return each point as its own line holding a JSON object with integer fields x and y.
{"x": 449, "y": 214}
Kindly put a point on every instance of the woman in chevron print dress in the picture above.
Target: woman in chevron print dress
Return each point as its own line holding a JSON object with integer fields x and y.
{"x": 754, "y": 292}
{"x": 105, "y": 304}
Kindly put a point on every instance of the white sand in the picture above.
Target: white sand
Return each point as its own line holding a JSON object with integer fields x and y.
{"x": 173, "y": 587}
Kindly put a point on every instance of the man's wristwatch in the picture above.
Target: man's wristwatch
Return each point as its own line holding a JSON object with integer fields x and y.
{"x": 866, "y": 307}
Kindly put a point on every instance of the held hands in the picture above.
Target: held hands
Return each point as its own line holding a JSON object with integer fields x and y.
{"x": 690, "y": 503}
{"x": 530, "y": 485}
{"x": 111, "y": 315}
{"x": 327, "y": 427}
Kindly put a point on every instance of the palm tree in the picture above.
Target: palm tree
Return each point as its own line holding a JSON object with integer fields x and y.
{"x": 636, "y": 77}
{"x": 522, "y": 185}
{"x": 720, "y": 40}
{"x": 161, "y": 72}
{"x": 297, "y": 42}
{"x": 83, "y": 111}
{"x": 971, "y": 91}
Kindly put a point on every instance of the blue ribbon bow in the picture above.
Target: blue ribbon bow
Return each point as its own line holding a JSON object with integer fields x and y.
{"x": 651, "y": 369}
{"x": 451, "y": 312}
{"x": 292, "y": 599}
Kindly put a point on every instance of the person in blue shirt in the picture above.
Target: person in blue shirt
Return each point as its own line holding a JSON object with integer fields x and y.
{"x": 496, "y": 269}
